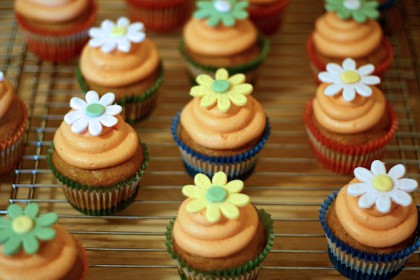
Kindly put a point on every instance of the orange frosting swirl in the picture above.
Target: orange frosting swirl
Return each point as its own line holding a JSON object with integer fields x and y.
{"x": 220, "y": 40}
{"x": 335, "y": 37}
{"x": 198, "y": 236}
{"x": 54, "y": 260}
{"x": 56, "y": 11}
{"x": 114, "y": 146}
{"x": 340, "y": 116}
{"x": 6, "y": 96}
{"x": 214, "y": 129}
{"x": 365, "y": 225}
{"x": 118, "y": 68}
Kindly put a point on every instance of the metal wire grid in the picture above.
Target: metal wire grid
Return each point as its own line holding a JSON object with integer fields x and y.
{"x": 288, "y": 182}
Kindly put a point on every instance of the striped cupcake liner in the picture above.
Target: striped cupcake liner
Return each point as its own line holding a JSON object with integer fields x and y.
{"x": 356, "y": 264}
{"x": 267, "y": 18}
{"x": 238, "y": 166}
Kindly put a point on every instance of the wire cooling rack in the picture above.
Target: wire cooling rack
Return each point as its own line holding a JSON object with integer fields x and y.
{"x": 288, "y": 182}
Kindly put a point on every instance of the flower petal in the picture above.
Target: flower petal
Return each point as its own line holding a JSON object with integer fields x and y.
{"x": 223, "y": 103}
{"x": 400, "y": 197}
{"x": 366, "y": 69}
{"x": 108, "y": 121}
{"x": 12, "y": 245}
{"x": 208, "y": 100}
{"x": 363, "y": 175}
{"x": 192, "y": 191}
{"x": 107, "y": 25}
{"x": 367, "y": 200}
{"x": 32, "y": 210}
{"x": 333, "y": 89}
{"x": 95, "y": 127}
{"x": 397, "y": 171}
{"x": 107, "y": 99}
{"x": 334, "y": 68}
{"x": 244, "y": 89}
{"x": 113, "y": 110}
{"x": 109, "y": 46}
{"x": 219, "y": 179}
{"x": 349, "y": 93}
{"x": 123, "y": 21}
{"x": 195, "y": 205}
{"x": 349, "y": 64}
{"x": 238, "y": 99}
{"x": 47, "y": 219}
{"x": 30, "y": 244}
{"x": 235, "y": 186}
{"x": 377, "y": 167}
{"x": 327, "y": 77}
{"x": 14, "y": 211}
{"x": 371, "y": 80}
{"x": 5, "y": 223}
{"x": 80, "y": 125}
{"x": 238, "y": 199}
{"x": 124, "y": 45}
{"x": 136, "y": 27}
{"x": 383, "y": 203}
{"x": 213, "y": 214}
{"x": 92, "y": 97}
{"x": 45, "y": 233}
{"x": 5, "y": 235}
{"x": 358, "y": 189}
{"x": 72, "y": 116}
{"x": 363, "y": 90}
{"x": 222, "y": 74}
{"x": 136, "y": 37}
{"x": 228, "y": 20}
{"x": 204, "y": 80}
{"x": 200, "y": 91}
{"x": 230, "y": 211}
{"x": 237, "y": 79}
{"x": 202, "y": 181}
{"x": 96, "y": 32}
{"x": 97, "y": 42}
{"x": 406, "y": 184}
{"x": 77, "y": 103}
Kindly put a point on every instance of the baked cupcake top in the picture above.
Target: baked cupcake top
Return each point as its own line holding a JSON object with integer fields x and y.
{"x": 217, "y": 22}
{"x": 348, "y": 29}
{"x": 222, "y": 114}
{"x": 351, "y": 90}
{"x": 377, "y": 203}
{"x": 216, "y": 220}
{"x": 6, "y": 95}
{"x": 118, "y": 54}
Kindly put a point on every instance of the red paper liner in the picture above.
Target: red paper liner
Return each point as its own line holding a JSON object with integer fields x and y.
{"x": 318, "y": 66}
{"x": 84, "y": 258}
{"x": 344, "y": 158}
{"x": 267, "y": 18}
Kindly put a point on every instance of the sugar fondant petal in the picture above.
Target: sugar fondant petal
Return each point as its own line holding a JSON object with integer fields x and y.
{"x": 238, "y": 99}
{"x": 95, "y": 127}
{"x": 195, "y": 206}
{"x": 72, "y": 116}
{"x": 14, "y": 211}
{"x": 349, "y": 64}
{"x": 80, "y": 125}
{"x": 358, "y": 189}
{"x": 204, "y": 80}
{"x": 244, "y": 89}
{"x": 77, "y": 103}
{"x": 400, "y": 197}
{"x": 201, "y": 180}
{"x": 31, "y": 210}
{"x": 109, "y": 46}
{"x": 235, "y": 186}
{"x": 113, "y": 110}
{"x": 366, "y": 69}
{"x": 208, "y": 100}
{"x": 333, "y": 89}
{"x": 223, "y": 103}
{"x": 200, "y": 91}
{"x": 219, "y": 179}
{"x": 92, "y": 97}
{"x": 12, "y": 245}
{"x": 230, "y": 211}
{"x": 123, "y": 21}
{"x": 363, "y": 90}
{"x": 349, "y": 93}
{"x": 45, "y": 233}
{"x": 192, "y": 191}
{"x": 107, "y": 99}
{"x": 363, "y": 175}
{"x": 238, "y": 199}
{"x": 237, "y": 79}
{"x": 47, "y": 219}
{"x": 377, "y": 167}
{"x": 367, "y": 200}
{"x": 383, "y": 203}
{"x": 397, "y": 171}
{"x": 108, "y": 121}
{"x": 124, "y": 45}
{"x": 222, "y": 74}
{"x": 407, "y": 185}
{"x": 213, "y": 214}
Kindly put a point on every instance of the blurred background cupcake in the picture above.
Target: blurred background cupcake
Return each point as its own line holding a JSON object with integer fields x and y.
{"x": 97, "y": 157}
{"x": 56, "y": 30}
{"x": 267, "y": 14}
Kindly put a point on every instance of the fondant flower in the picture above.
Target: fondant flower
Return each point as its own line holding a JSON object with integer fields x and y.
{"x": 221, "y": 11}
{"x": 92, "y": 113}
{"x": 217, "y": 196}
{"x": 111, "y": 36}
{"x": 379, "y": 188}
{"x": 1, "y": 76}
{"x": 25, "y": 229}
{"x": 359, "y": 10}
{"x": 223, "y": 90}
{"x": 348, "y": 79}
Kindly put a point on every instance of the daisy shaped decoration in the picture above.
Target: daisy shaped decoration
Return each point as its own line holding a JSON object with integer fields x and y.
{"x": 93, "y": 113}
{"x": 379, "y": 188}
{"x": 111, "y": 36}
{"x": 221, "y": 11}
{"x": 216, "y": 197}
{"x": 349, "y": 80}
{"x": 224, "y": 90}
{"x": 359, "y": 10}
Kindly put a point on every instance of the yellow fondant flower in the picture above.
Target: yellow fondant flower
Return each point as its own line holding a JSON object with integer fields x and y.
{"x": 223, "y": 90}
{"x": 217, "y": 196}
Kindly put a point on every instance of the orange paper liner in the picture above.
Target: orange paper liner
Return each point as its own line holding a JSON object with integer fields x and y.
{"x": 344, "y": 158}
{"x": 267, "y": 18}
{"x": 84, "y": 258}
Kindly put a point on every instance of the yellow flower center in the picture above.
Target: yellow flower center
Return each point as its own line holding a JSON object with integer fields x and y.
{"x": 118, "y": 31}
{"x": 22, "y": 224}
{"x": 350, "y": 77}
{"x": 383, "y": 183}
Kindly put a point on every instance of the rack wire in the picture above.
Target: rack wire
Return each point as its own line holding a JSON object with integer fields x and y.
{"x": 288, "y": 182}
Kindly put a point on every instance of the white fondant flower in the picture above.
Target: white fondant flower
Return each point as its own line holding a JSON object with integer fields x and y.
{"x": 1, "y": 76}
{"x": 92, "y": 113}
{"x": 379, "y": 188}
{"x": 111, "y": 36}
{"x": 348, "y": 79}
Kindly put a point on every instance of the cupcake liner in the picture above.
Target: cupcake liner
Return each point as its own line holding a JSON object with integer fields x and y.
{"x": 249, "y": 68}
{"x": 135, "y": 107}
{"x": 356, "y": 264}
{"x": 267, "y": 18}
{"x": 342, "y": 158}
{"x": 84, "y": 258}
{"x": 318, "y": 66}
{"x": 246, "y": 271}
{"x": 239, "y": 166}
{"x": 98, "y": 200}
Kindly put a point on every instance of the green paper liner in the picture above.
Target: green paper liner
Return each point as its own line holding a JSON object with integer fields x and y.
{"x": 249, "y": 68}
{"x": 246, "y": 271}
{"x": 98, "y": 200}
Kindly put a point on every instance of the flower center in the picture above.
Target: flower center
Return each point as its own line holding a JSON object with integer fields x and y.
{"x": 22, "y": 224}
{"x": 383, "y": 183}
{"x": 118, "y": 31}
{"x": 350, "y": 77}
{"x": 216, "y": 194}
{"x": 95, "y": 110}
{"x": 352, "y": 4}
{"x": 220, "y": 86}
{"x": 222, "y": 6}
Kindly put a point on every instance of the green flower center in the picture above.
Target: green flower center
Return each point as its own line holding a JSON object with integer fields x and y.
{"x": 22, "y": 224}
{"x": 95, "y": 110}
{"x": 118, "y": 31}
{"x": 220, "y": 86}
{"x": 222, "y": 6}
{"x": 352, "y": 4}
{"x": 216, "y": 194}
{"x": 383, "y": 183}
{"x": 350, "y": 77}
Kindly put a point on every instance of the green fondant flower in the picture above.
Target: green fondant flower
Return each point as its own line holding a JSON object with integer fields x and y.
{"x": 223, "y": 90}
{"x": 25, "y": 228}
{"x": 217, "y": 196}
{"x": 359, "y": 10}
{"x": 221, "y": 11}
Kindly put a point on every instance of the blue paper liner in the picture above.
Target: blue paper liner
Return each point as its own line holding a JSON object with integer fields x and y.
{"x": 357, "y": 264}
{"x": 238, "y": 166}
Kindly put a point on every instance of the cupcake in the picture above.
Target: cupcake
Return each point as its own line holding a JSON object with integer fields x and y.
{"x": 120, "y": 59}
{"x": 267, "y": 14}
{"x": 97, "y": 157}
{"x": 220, "y": 35}
{"x": 222, "y": 128}
{"x": 35, "y": 247}
{"x": 13, "y": 122}
{"x": 56, "y": 30}
{"x": 218, "y": 233}
{"x": 159, "y": 16}
{"x": 371, "y": 224}
{"x": 349, "y": 29}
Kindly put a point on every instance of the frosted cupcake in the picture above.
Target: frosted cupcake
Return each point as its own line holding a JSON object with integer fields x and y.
{"x": 218, "y": 233}
{"x": 267, "y": 14}
{"x": 120, "y": 59}
{"x": 223, "y": 128}
{"x": 371, "y": 224}
{"x": 97, "y": 157}
{"x": 35, "y": 247}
